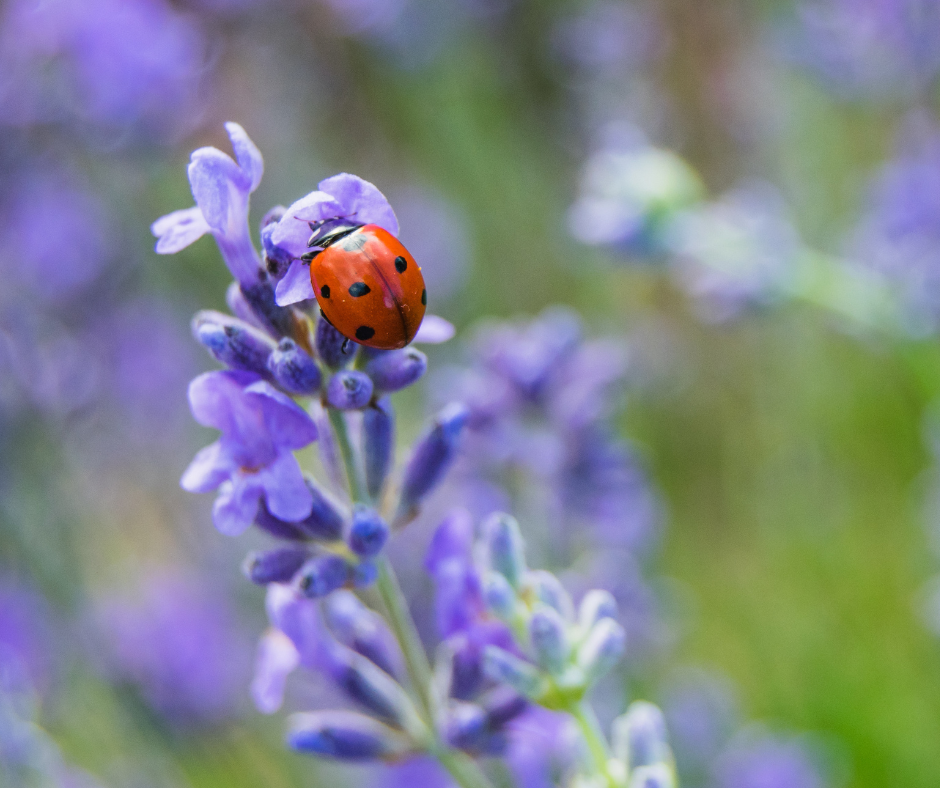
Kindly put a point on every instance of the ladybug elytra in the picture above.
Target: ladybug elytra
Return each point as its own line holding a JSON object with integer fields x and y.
{"x": 366, "y": 282}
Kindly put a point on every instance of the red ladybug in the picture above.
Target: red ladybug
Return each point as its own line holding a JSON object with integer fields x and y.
{"x": 367, "y": 284}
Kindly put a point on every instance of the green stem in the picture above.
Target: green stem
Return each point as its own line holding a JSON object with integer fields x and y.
{"x": 403, "y": 627}
{"x": 462, "y": 768}
{"x": 593, "y": 737}
{"x": 357, "y": 489}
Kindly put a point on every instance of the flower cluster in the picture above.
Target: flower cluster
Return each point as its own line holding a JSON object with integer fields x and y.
{"x": 275, "y": 352}
{"x": 510, "y": 635}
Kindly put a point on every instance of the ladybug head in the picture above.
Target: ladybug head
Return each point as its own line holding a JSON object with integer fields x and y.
{"x": 329, "y": 231}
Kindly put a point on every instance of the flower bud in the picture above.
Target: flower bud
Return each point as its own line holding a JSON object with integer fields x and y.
{"x": 281, "y": 321}
{"x": 349, "y": 390}
{"x": 344, "y": 735}
{"x": 362, "y": 630}
{"x": 595, "y": 606}
{"x": 505, "y": 668}
{"x": 656, "y": 776}
{"x": 367, "y": 684}
{"x": 639, "y": 738}
{"x": 504, "y": 549}
{"x": 278, "y": 528}
{"x": 233, "y": 342}
{"x": 294, "y": 369}
{"x": 368, "y": 532}
{"x": 378, "y": 438}
{"x": 275, "y": 566}
{"x": 322, "y": 575}
{"x": 502, "y": 705}
{"x": 548, "y": 590}
{"x": 365, "y": 573}
{"x": 465, "y": 726}
{"x": 499, "y": 595}
{"x": 432, "y": 456}
{"x": 549, "y": 640}
{"x": 239, "y": 306}
{"x": 332, "y": 347}
{"x": 602, "y": 649}
{"x": 325, "y": 520}
{"x": 396, "y": 369}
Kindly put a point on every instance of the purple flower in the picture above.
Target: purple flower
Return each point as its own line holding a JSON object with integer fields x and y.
{"x": 181, "y": 644}
{"x": 760, "y": 761}
{"x": 898, "y": 235}
{"x": 26, "y": 652}
{"x": 877, "y": 48}
{"x": 63, "y": 58}
{"x": 55, "y": 235}
{"x": 342, "y": 196}
{"x": 221, "y": 188}
{"x": 261, "y": 427}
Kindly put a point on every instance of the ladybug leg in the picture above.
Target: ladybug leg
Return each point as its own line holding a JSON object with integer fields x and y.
{"x": 308, "y": 256}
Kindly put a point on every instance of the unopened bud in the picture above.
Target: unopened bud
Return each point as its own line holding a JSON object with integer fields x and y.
{"x": 548, "y": 590}
{"x": 332, "y": 347}
{"x": 394, "y": 370}
{"x": 368, "y": 532}
{"x": 602, "y": 649}
{"x": 547, "y": 633}
{"x": 294, "y": 369}
{"x": 234, "y": 342}
{"x": 505, "y": 668}
{"x": 349, "y": 390}
{"x": 504, "y": 548}
{"x": 344, "y": 735}
{"x": 363, "y": 630}
{"x": 322, "y": 575}
{"x": 499, "y": 596}
{"x": 378, "y": 438}
{"x": 275, "y": 566}
{"x": 639, "y": 737}
{"x": 596, "y": 605}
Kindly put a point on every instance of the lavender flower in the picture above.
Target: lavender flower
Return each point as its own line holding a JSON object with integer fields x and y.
{"x": 868, "y": 48}
{"x": 181, "y": 645}
{"x": 261, "y": 428}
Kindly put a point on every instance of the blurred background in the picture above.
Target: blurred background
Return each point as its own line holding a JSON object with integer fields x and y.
{"x": 740, "y": 202}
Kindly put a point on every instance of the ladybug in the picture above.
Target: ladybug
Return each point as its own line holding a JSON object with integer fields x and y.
{"x": 367, "y": 284}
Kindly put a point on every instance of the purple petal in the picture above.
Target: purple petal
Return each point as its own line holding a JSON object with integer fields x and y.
{"x": 220, "y": 189}
{"x": 235, "y": 508}
{"x": 292, "y": 230}
{"x": 434, "y": 330}
{"x": 298, "y": 618}
{"x": 361, "y": 201}
{"x": 277, "y": 658}
{"x": 295, "y": 286}
{"x": 453, "y": 539}
{"x": 179, "y": 229}
{"x": 289, "y": 424}
{"x": 214, "y": 395}
{"x": 247, "y": 154}
{"x": 209, "y": 468}
{"x": 286, "y": 493}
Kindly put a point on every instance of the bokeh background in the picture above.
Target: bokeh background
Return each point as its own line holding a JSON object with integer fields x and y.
{"x": 743, "y": 196}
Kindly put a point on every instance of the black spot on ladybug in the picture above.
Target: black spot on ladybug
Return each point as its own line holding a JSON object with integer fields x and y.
{"x": 357, "y": 289}
{"x": 364, "y": 333}
{"x": 424, "y": 297}
{"x": 325, "y": 291}
{"x": 400, "y": 264}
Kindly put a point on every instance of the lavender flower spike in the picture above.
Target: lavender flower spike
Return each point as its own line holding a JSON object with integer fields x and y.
{"x": 253, "y": 460}
{"x": 221, "y": 188}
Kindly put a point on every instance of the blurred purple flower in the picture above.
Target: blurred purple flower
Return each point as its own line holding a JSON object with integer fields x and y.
{"x": 26, "y": 648}
{"x": 253, "y": 460}
{"x": 762, "y": 761}
{"x": 898, "y": 235}
{"x": 55, "y": 235}
{"x": 737, "y": 253}
{"x": 124, "y": 64}
{"x": 181, "y": 644}
{"x": 881, "y": 48}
